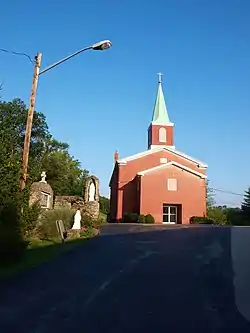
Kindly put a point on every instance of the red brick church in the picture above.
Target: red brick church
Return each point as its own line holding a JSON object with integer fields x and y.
{"x": 161, "y": 181}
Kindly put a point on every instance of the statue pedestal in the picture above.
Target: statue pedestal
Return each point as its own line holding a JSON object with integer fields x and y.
{"x": 91, "y": 208}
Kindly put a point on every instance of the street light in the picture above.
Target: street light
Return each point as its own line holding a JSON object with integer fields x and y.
{"x": 100, "y": 46}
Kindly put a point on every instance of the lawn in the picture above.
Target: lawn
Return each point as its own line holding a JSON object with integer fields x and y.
{"x": 40, "y": 251}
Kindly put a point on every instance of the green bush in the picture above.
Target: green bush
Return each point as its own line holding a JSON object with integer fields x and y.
{"x": 149, "y": 219}
{"x": 141, "y": 219}
{"x": 200, "y": 220}
{"x": 90, "y": 232}
{"x": 217, "y": 215}
{"x": 130, "y": 218}
{"x": 47, "y": 229}
{"x": 97, "y": 223}
{"x": 87, "y": 221}
{"x": 29, "y": 219}
{"x": 12, "y": 244}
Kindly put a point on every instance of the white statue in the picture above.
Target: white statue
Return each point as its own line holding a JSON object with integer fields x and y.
{"x": 92, "y": 192}
{"x": 77, "y": 220}
{"x": 43, "y": 177}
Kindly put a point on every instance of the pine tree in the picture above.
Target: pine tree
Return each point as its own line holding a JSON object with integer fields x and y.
{"x": 209, "y": 196}
{"x": 245, "y": 206}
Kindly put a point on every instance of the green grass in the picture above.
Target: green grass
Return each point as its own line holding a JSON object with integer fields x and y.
{"x": 40, "y": 251}
{"x": 103, "y": 217}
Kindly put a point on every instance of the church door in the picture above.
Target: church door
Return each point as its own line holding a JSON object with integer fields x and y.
{"x": 169, "y": 214}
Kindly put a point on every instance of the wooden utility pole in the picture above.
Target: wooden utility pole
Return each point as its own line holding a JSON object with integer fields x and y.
{"x": 31, "y": 110}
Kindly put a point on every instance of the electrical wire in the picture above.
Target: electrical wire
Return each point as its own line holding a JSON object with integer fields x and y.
{"x": 18, "y": 53}
{"x": 227, "y": 192}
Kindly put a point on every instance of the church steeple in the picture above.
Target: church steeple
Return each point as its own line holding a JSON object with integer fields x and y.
{"x": 160, "y": 131}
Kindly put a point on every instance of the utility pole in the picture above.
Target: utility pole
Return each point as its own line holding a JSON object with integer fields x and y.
{"x": 29, "y": 122}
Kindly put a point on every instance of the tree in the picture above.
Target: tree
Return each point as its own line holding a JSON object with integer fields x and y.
{"x": 64, "y": 173}
{"x": 104, "y": 205}
{"x": 234, "y": 215}
{"x": 12, "y": 132}
{"x": 245, "y": 206}
{"x": 209, "y": 196}
{"x": 218, "y": 215}
{"x": 46, "y": 153}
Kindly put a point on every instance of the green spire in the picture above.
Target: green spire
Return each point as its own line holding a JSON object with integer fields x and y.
{"x": 160, "y": 114}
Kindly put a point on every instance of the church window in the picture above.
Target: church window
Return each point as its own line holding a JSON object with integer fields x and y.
{"x": 162, "y": 134}
{"x": 163, "y": 160}
{"x": 172, "y": 184}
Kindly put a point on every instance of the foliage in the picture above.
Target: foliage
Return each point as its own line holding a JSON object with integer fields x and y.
{"x": 88, "y": 233}
{"x": 222, "y": 215}
{"x": 46, "y": 228}
{"x": 149, "y": 219}
{"x": 12, "y": 132}
{"x": 130, "y": 217}
{"x": 209, "y": 196}
{"x": 104, "y": 205}
{"x": 103, "y": 217}
{"x": 234, "y": 216}
{"x": 141, "y": 219}
{"x": 64, "y": 173}
{"x": 12, "y": 245}
{"x": 217, "y": 215}
{"x": 245, "y": 206}
{"x": 200, "y": 220}
{"x": 87, "y": 221}
{"x": 29, "y": 219}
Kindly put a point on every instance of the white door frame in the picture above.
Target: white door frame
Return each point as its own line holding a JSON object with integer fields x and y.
{"x": 168, "y": 214}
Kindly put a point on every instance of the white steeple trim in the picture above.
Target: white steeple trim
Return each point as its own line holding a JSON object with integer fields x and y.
{"x": 162, "y": 148}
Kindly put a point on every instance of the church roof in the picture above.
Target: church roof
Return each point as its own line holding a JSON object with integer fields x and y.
{"x": 160, "y": 114}
{"x": 158, "y": 149}
{"x": 181, "y": 166}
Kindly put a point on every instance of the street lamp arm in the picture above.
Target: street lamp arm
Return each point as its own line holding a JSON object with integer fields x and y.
{"x": 102, "y": 45}
{"x": 64, "y": 59}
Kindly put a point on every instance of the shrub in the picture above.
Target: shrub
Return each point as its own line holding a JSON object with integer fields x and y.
{"x": 217, "y": 215}
{"x": 141, "y": 219}
{"x": 130, "y": 217}
{"x": 47, "y": 229}
{"x": 149, "y": 219}
{"x": 126, "y": 218}
{"x": 29, "y": 219}
{"x": 87, "y": 221}
{"x": 97, "y": 223}
{"x": 12, "y": 245}
{"x": 200, "y": 220}
{"x": 88, "y": 233}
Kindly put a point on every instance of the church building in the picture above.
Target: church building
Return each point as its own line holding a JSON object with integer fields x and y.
{"x": 161, "y": 181}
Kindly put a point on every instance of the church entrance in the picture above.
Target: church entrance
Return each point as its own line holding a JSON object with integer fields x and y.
{"x": 171, "y": 214}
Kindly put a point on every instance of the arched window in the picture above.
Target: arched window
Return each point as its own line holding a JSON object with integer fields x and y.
{"x": 162, "y": 134}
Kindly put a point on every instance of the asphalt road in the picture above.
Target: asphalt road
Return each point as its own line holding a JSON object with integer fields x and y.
{"x": 154, "y": 281}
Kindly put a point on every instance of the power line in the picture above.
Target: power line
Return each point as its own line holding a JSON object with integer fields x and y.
{"x": 18, "y": 53}
{"x": 227, "y": 192}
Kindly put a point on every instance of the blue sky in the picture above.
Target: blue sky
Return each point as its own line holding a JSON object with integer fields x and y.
{"x": 102, "y": 101}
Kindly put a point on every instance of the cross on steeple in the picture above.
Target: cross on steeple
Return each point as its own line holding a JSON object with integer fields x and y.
{"x": 159, "y": 77}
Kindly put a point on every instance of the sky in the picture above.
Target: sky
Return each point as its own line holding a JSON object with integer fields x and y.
{"x": 100, "y": 102}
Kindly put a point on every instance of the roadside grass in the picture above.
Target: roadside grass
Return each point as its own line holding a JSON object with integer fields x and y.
{"x": 41, "y": 251}
{"x": 103, "y": 217}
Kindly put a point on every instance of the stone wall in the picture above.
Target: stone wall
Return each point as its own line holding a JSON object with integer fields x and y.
{"x": 42, "y": 193}
{"x": 71, "y": 202}
{"x": 92, "y": 208}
